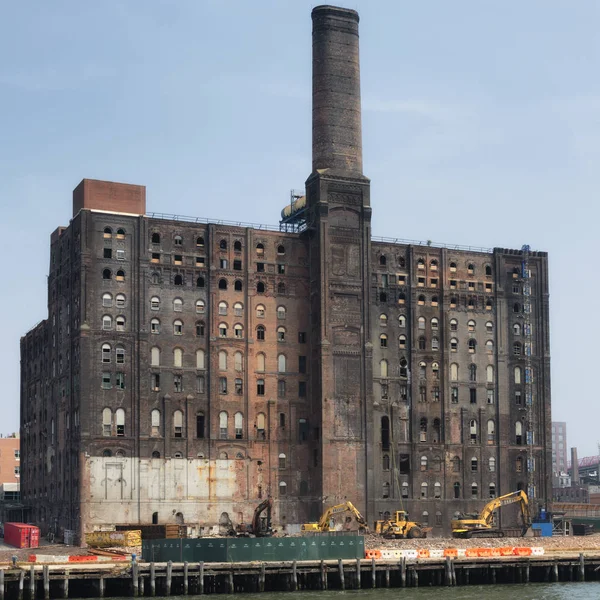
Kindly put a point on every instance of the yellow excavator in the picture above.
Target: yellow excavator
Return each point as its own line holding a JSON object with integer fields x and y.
{"x": 325, "y": 523}
{"x": 481, "y": 525}
{"x": 400, "y": 527}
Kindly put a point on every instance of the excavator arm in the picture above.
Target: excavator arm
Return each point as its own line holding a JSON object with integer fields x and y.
{"x": 339, "y": 508}
{"x": 519, "y": 496}
{"x": 264, "y": 505}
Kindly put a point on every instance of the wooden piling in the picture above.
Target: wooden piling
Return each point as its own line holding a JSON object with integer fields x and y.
{"x": 341, "y": 572}
{"x": 453, "y": 572}
{"x": 294, "y": 576}
{"x": 201, "y": 577}
{"x": 1, "y": 584}
{"x": 101, "y": 587}
{"x": 466, "y": 576}
{"x": 581, "y": 570}
{"x": 448, "y": 572}
{"x": 31, "y": 582}
{"x": 555, "y": 572}
{"x": 387, "y": 576}
{"x": 22, "y": 583}
{"x": 46, "y": 573}
{"x": 135, "y": 579}
{"x": 415, "y": 578}
{"x": 526, "y": 569}
{"x": 358, "y": 573}
{"x": 152, "y": 579}
{"x": 185, "y": 578}
{"x": 493, "y": 575}
{"x": 403, "y": 572}
{"x": 261, "y": 580}
{"x": 65, "y": 586}
{"x": 373, "y": 574}
{"x": 323, "y": 575}
{"x": 169, "y": 578}
{"x": 142, "y": 581}
{"x": 231, "y": 584}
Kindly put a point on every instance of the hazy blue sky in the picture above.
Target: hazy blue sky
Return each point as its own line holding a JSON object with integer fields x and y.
{"x": 481, "y": 126}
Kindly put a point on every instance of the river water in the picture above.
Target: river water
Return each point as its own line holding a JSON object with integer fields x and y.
{"x": 530, "y": 591}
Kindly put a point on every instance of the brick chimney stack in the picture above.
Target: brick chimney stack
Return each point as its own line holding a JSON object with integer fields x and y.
{"x": 574, "y": 467}
{"x": 336, "y": 134}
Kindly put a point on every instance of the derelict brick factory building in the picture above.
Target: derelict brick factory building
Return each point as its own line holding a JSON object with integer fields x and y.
{"x": 188, "y": 369}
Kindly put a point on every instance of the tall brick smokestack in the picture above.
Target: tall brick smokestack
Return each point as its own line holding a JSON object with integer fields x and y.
{"x": 336, "y": 139}
{"x": 574, "y": 467}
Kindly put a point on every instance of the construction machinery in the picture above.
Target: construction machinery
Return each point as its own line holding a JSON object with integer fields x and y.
{"x": 482, "y": 525}
{"x": 399, "y": 527}
{"x": 327, "y": 523}
{"x": 260, "y": 526}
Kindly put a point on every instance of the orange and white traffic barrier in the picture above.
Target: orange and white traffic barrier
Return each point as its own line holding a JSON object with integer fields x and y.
{"x": 423, "y": 553}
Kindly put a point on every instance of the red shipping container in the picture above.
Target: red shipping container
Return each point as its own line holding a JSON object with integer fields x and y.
{"x": 21, "y": 535}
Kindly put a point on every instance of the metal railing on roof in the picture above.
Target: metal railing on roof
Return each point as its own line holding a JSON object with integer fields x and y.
{"x": 204, "y": 220}
{"x": 430, "y": 243}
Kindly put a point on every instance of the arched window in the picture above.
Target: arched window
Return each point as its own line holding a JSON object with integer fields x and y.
{"x": 382, "y": 260}
{"x": 403, "y": 368}
{"x": 404, "y": 490}
{"x": 178, "y": 240}
{"x": 154, "y": 303}
{"x": 107, "y": 300}
{"x": 281, "y": 363}
{"x": 260, "y": 250}
{"x": 470, "y": 268}
{"x": 453, "y": 302}
{"x": 489, "y": 304}
{"x": 421, "y": 300}
{"x": 107, "y": 422}
{"x": 456, "y": 487}
{"x": 434, "y": 301}
{"x": 178, "y": 424}
{"x": 492, "y": 464}
{"x": 200, "y": 281}
{"x": 223, "y": 425}
{"x": 386, "y": 490}
{"x": 222, "y": 308}
{"x": 223, "y": 360}
{"x": 200, "y": 242}
{"x": 106, "y": 322}
{"x": 238, "y": 361}
{"x": 519, "y": 433}
{"x": 222, "y": 284}
{"x": 424, "y": 490}
{"x": 155, "y": 356}
{"x": 200, "y": 306}
{"x": 260, "y": 333}
{"x": 473, "y": 431}
{"x": 155, "y": 454}
{"x": 223, "y": 330}
{"x": 260, "y": 287}
{"x": 106, "y": 353}
{"x": 260, "y": 311}
{"x": 120, "y": 323}
{"x": 518, "y": 374}
{"x": 177, "y": 305}
{"x": 282, "y": 461}
{"x": 488, "y": 270}
{"x": 200, "y": 359}
{"x": 280, "y": 250}
{"x": 437, "y": 490}
{"x": 489, "y": 347}
{"x": 382, "y": 320}
{"x": 238, "y": 331}
{"x": 223, "y": 244}
{"x": 200, "y": 328}
{"x": 517, "y": 349}
{"x": 383, "y": 368}
{"x": 402, "y": 341}
{"x": 435, "y": 369}
{"x": 433, "y": 265}
{"x": 492, "y": 490}
{"x": 155, "y": 420}
{"x": 260, "y": 362}
{"x": 474, "y": 465}
{"x": 383, "y": 340}
{"x": 238, "y": 309}
{"x": 453, "y": 345}
{"x": 423, "y": 429}
{"x": 260, "y": 426}
{"x": 238, "y": 421}
{"x": 420, "y": 264}
{"x": 422, "y": 369}
{"x": 386, "y": 462}
{"x": 453, "y": 325}
{"x": 177, "y": 327}
{"x": 456, "y": 464}
{"x": 472, "y": 372}
{"x": 401, "y": 298}
{"x": 474, "y": 491}
{"x": 237, "y": 246}
{"x": 281, "y": 312}
{"x": 435, "y": 343}
{"x": 434, "y": 324}
{"x": 120, "y": 421}
{"x": 156, "y": 238}
{"x": 282, "y": 488}
{"x": 516, "y": 329}
{"x": 471, "y": 303}
{"x": 421, "y": 322}
{"x": 422, "y": 342}
{"x": 453, "y": 372}
{"x": 281, "y": 288}
{"x": 489, "y": 374}
{"x": 177, "y": 357}
{"x": 260, "y": 387}
{"x": 120, "y": 355}
{"x": 491, "y": 431}
{"x": 120, "y": 276}
{"x": 423, "y": 463}
{"x": 107, "y": 232}
{"x": 401, "y": 321}
{"x": 223, "y": 455}
{"x": 472, "y": 346}
{"x": 471, "y": 325}
{"x": 489, "y": 327}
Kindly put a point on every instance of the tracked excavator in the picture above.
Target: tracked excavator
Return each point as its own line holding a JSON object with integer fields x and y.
{"x": 481, "y": 525}
{"x": 260, "y": 526}
{"x": 325, "y": 523}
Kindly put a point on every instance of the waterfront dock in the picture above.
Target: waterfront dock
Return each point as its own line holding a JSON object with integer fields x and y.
{"x": 138, "y": 579}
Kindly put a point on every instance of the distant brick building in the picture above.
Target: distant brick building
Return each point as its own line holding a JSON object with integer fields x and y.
{"x": 10, "y": 459}
{"x": 559, "y": 447}
{"x": 188, "y": 369}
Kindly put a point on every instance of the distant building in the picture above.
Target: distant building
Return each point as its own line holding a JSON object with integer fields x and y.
{"x": 10, "y": 459}
{"x": 559, "y": 447}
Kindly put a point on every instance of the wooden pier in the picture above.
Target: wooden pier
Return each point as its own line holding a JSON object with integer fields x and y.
{"x": 45, "y": 581}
